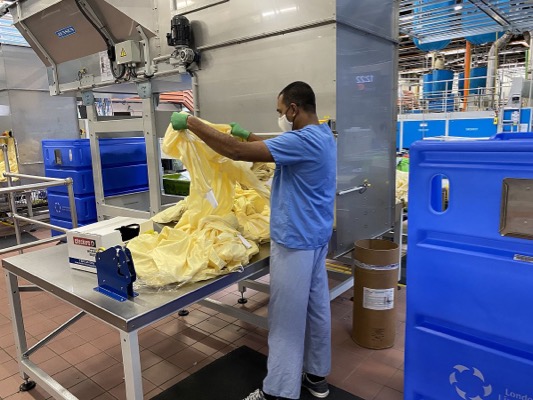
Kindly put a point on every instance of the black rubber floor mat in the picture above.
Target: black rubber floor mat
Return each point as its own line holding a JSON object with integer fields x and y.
{"x": 233, "y": 377}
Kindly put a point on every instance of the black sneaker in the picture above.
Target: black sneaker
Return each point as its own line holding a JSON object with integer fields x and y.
{"x": 318, "y": 389}
{"x": 257, "y": 395}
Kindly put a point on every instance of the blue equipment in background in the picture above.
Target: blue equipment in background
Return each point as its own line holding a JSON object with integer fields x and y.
{"x": 470, "y": 270}
{"x": 437, "y": 89}
{"x": 417, "y": 127}
{"x": 124, "y": 170}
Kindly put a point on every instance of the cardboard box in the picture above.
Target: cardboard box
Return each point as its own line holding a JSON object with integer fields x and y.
{"x": 375, "y": 283}
{"x": 83, "y": 242}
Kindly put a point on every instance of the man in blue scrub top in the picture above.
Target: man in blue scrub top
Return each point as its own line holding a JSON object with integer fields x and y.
{"x": 301, "y": 223}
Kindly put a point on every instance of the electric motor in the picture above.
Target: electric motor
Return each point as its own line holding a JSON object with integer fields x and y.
{"x": 180, "y": 32}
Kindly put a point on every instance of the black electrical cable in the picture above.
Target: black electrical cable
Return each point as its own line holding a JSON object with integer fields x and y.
{"x": 88, "y": 18}
{"x": 108, "y": 42}
{"x": 121, "y": 70}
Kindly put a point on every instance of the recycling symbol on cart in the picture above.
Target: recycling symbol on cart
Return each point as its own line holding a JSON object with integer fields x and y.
{"x": 469, "y": 383}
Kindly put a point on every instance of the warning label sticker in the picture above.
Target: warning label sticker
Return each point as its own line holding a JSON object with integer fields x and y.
{"x": 378, "y": 299}
{"x": 123, "y": 52}
{"x": 105, "y": 67}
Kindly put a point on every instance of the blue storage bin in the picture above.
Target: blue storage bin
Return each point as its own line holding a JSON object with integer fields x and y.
{"x": 59, "y": 207}
{"x": 76, "y": 153}
{"x": 65, "y": 224}
{"x": 82, "y": 180}
{"x": 469, "y": 326}
{"x": 122, "y": 151}
{"x": 125, "y": 179}
{"x": 66, "y": 153}
{"x": 116, "y": 180}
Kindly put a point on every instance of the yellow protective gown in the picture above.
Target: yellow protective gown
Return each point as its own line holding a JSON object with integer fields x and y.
{"x": 12, "y": 156}
{"x": 253, "y": 214}
{"x": 402, "y": 187}
{"x": 264, "y": 171}
{"x": 217, "y": 224}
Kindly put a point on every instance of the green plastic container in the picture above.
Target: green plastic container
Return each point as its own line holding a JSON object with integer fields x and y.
{"x": 176, "y": 184}
{"x": 403, "y": 165}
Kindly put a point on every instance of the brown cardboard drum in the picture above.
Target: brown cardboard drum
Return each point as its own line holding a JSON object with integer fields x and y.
{"x": 376, "y": 279}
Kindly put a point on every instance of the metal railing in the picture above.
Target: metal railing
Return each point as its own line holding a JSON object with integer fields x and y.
{"x": 412, "y": 99}
{"x": 44, "y": 183}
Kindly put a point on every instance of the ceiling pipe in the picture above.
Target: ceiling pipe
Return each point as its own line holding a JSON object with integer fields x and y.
{"x": 493, "y": 64}
{"x": 528, "y": 36}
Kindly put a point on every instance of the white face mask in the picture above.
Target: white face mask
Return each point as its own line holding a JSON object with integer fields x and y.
{"x": 284, "y": 124}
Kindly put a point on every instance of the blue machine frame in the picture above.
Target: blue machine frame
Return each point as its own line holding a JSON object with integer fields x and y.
{"x": 482, "y": 124}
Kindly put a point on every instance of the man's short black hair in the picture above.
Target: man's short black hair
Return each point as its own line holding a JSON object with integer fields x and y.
{"x": 301, "y": 94}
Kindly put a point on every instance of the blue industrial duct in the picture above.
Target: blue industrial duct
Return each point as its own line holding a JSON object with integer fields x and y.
{"x": 485, "y": 38}
{"x": 474, "y": 19}
{"x": 438, "y": 15}
{"x": 433, "y": 46}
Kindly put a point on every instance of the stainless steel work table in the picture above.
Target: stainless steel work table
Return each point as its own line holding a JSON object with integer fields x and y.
{"x": 49, "y": 270}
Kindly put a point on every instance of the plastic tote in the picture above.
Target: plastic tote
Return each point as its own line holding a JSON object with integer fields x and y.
{"x": 470, "y": 270}
{"x": 376, "y": 278}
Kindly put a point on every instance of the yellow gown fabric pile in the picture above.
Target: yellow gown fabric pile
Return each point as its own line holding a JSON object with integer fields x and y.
{"x": 12, "y": 156}
{"x": 218, "y": 225}
{"x": 402, "y": 187}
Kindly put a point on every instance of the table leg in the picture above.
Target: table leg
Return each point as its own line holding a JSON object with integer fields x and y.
{"x": 129, "y": 341}
{"x": 17, "y": 320}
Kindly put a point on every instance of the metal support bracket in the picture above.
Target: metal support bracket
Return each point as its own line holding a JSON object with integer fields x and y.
{"x": 87, "y": 98}
{"x": 149, "y": 67}
{"x": 144, "y": 89}
{"x": 87, "y": 80}
{"x": 234, "y": 312}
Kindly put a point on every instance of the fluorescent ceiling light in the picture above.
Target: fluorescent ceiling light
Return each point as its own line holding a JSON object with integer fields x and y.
{"x": 280, "y": 11}
{"x": 288, "y": 9}
{"x": 455, "y": 51}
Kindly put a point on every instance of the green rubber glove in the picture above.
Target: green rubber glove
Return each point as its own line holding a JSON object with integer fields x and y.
{"x": 238, "y": 131}
{"x": 179, "y": 120}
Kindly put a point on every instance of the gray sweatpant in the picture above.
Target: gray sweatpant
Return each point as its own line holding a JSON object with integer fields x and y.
{"x": 299, "y": 319}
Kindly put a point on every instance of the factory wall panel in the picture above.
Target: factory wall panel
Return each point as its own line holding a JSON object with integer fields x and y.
{"x": 37, "y": 116}
{"x": 28, "y": 110}
{"x": 22, "y": 70}
{"x": 241, "y": 82}
{"x": 237, "y": 19}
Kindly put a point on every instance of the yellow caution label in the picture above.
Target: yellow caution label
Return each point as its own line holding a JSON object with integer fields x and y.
{"x": 123, "y": 52}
